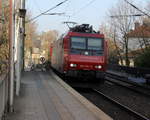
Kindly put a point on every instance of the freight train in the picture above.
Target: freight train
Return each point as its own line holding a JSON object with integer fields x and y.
{"x": 81, "y": 53}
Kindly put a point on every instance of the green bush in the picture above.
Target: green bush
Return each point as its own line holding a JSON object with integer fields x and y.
{"x": 143, "y": 60}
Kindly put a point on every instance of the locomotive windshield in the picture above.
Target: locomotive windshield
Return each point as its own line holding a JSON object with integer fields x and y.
{"x": 93, "y": 45}
{"x": 86, "y": 43}
{"x": 78, "y": 43}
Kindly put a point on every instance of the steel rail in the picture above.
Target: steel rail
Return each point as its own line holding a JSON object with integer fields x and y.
{"x": 136, "y": 114}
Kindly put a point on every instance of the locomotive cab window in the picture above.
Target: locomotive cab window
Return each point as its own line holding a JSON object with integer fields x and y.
{"x": 78, "y": 43}
{"x": 95, "y": 44}
{"x": 86, "y": 43}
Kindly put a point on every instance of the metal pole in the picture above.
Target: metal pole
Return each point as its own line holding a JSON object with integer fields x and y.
{"x": 11, "y": 51}
{"x": 20, "y": 45}
{"x": 23, "y": 36}
{"x": 18, "y": 41}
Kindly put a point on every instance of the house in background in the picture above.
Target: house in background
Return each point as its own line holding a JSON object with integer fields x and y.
{"x": 138, "y": 39}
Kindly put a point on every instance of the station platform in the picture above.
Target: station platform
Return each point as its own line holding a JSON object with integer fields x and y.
{"x": 44, "y": 96}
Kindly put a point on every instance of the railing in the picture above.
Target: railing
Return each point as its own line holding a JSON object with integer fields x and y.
{"x": 135, "y": 71}
{"x": 3, "y": 94}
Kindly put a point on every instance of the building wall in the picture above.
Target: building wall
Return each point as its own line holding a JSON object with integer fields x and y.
{"x": 135, "y": 43}
{"x": 131, "y": 62}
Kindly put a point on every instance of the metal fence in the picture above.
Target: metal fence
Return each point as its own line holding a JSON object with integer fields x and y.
{"x": 3, "y": 94}
{"x": 135, "y": 71}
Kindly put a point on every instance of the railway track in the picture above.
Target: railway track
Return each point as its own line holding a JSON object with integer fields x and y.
{"x": 127, "y": 109}
{"x": 121, "y": 81}
{"x": 121, "y": 106}
{"x": 110, "y": 105}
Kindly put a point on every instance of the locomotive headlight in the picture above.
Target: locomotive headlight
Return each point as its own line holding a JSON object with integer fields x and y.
{"x": 73, "y": 65}
{"x": 98, "y": 66}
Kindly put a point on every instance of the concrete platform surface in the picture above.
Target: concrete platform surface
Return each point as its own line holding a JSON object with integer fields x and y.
{"x": 44, "y": 96}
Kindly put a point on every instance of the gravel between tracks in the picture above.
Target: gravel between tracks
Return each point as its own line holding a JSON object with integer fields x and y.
{"x": 135, "y": 101}
{"x": 115, "y": 112}
{"x": 129, "y": 98}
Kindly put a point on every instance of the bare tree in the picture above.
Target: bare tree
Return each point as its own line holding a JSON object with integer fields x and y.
{"x": 148, "y": 7}
{"x": 113, "y": 47}
{"x": 122, "y": 24}
{"x": 4, "y": 42}
{"x": 31, "y": 35}
{"x": 47, "y": 38}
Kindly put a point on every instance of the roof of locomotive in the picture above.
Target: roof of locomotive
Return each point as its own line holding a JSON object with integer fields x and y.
{"x": 84, "y": 30}
{"x": 80, "y": 34}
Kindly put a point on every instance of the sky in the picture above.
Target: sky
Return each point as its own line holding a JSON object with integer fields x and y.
{"x": 92, "y": 12}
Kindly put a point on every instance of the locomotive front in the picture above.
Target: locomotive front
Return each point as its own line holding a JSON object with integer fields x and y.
{"x": 87, "y": 53}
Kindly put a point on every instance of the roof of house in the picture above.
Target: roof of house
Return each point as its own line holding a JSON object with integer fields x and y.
{"x": 142, "y": 31}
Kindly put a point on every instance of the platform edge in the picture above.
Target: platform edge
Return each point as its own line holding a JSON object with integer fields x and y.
{"x": 97, "y": 112}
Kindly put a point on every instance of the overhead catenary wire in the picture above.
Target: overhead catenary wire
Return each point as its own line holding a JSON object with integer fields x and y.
{"x": 134, "y": 15}
{"x": 81, "y": 9}
{"x": 59, "y": 14}
{"x": 77, "y": 12}
{"x": 137, "y": 8}
{"x": 147, "y": 10}
{"x": 47, "y": 11}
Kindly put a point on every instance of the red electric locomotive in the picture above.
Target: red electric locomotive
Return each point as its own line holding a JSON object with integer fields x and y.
{"x": 81, "y": 53}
